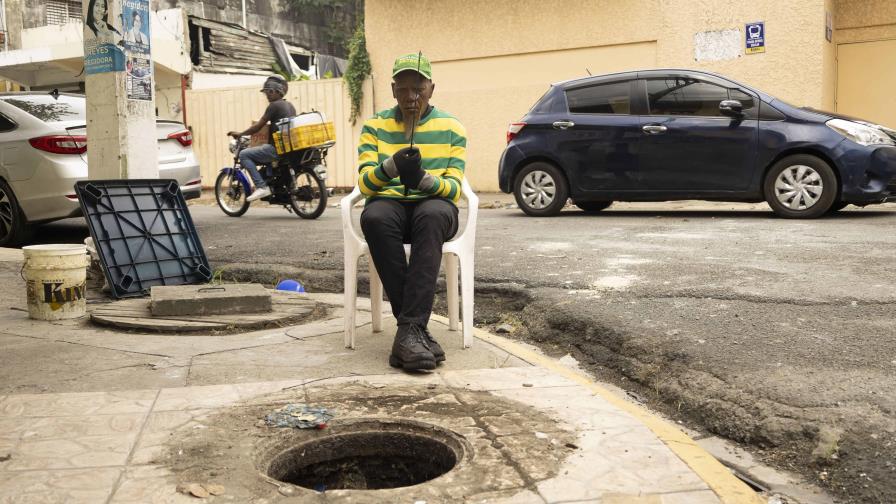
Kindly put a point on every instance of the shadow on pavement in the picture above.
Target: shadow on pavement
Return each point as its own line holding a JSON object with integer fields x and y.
{"x": 728, "y": 214}
{"x": 64, "y": 231}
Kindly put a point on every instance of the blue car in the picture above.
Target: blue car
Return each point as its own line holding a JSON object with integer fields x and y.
{"x": 661, "y": 135}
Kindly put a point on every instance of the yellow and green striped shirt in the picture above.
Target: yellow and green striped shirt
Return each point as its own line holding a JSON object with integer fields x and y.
{"x": 442, "y": 141}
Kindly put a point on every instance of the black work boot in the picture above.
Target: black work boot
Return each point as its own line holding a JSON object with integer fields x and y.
{"x": 434, "y": 345}
{"x": 411, "y": 349}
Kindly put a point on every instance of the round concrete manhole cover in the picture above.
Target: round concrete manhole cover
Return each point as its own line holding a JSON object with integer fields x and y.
{"x": 385, "y": 443}
{"x": 288, "y": 308}
{"x": 370, "y": 455}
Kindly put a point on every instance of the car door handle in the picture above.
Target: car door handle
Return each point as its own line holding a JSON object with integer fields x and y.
{"x": 562, "y": 125}
{"x": 653, "y": 129}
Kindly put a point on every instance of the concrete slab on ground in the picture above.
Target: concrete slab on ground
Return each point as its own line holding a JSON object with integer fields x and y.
{"x": 224, "y": 299}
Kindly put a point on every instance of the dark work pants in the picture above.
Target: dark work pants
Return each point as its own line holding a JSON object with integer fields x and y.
{"x": 426, "y": 225}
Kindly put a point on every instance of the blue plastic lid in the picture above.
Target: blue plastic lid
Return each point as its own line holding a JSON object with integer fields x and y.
{"x": 290, "y": 285}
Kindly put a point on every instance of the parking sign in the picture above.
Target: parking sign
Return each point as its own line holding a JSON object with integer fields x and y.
{"x": 755, "y": 37}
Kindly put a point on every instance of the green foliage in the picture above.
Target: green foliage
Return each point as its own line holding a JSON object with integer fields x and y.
{"x": 286, "y": 74}
{"x": 357, "y": 71}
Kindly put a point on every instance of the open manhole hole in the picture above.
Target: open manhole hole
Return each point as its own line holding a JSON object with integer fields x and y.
{"x": 394, "y": 456}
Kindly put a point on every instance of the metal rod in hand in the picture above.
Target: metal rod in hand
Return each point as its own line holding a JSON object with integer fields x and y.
{"x": 416, "y": 97}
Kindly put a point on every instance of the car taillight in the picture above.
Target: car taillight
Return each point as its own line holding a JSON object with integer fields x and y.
{"x": 184, "y": 137}
{"x": 514, "y": 129}
{"x": 61, "y": 144}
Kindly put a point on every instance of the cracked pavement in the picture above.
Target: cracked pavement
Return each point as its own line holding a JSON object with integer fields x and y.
{"x": 775, "y": 333}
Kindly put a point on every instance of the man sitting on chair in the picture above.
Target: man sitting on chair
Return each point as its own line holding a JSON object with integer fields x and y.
{"x": 411, "y": 198}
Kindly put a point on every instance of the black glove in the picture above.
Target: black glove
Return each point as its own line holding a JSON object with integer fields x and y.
{"x": 409, "y": 165}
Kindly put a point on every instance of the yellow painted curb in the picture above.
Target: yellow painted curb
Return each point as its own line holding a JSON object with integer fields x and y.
{"x": 727, "y": 487}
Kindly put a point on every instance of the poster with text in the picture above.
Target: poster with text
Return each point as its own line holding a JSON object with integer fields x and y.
{"x": 135, "y": 20}
{"x": 102, "y": 39}
{"x": 138, "y": 79}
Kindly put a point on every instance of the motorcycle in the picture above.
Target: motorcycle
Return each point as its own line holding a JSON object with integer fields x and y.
{"x": 297, "y": 181}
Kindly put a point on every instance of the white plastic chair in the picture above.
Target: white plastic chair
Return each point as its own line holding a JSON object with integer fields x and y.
{"x": 459, "y": 249}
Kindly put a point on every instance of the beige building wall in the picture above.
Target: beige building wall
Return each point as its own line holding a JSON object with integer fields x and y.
{"x": 493, "y": 59}
{"x": 864, "y": 81}
{"x": 864, "y": 20}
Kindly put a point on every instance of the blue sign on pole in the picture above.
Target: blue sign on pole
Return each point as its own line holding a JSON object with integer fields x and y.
{"x": 101, "y": 58}
{"x": 755, "y": 34}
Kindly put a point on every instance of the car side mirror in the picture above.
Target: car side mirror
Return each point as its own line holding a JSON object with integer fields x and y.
{"x": 731, "y": 108}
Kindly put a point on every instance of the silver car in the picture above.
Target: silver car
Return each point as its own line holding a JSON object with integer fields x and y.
{"x": 43, "y": 152}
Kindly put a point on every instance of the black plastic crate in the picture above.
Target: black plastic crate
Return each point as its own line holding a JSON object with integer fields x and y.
{"x": 143, "y": 233}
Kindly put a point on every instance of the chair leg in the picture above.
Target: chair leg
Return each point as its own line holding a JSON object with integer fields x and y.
{"x": 351, "y": 296}
{"x": 466, "y": 284}
{"x": 451, "y": 280}
{"x": 376, "y": 299}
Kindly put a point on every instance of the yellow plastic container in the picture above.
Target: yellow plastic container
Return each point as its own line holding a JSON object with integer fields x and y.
{"x": 278, "y": 143}
{"x": 303, "y": 137}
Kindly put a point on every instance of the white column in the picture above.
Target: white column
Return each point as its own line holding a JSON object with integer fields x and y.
{"x": 121, "y": 117}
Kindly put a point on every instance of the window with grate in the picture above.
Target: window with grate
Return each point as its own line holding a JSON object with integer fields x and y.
{"x": 63, "y": 11}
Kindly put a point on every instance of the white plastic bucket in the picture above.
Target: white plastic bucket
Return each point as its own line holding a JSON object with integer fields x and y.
{"x": 56, "y": 281}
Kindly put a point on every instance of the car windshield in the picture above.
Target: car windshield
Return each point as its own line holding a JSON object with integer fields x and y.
{"x": 49, "y": 109}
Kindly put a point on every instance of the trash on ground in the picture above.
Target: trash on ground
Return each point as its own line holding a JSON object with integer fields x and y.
{"x": 299, "y": 416}
{"x": 215, "y": 489}
{"x": 200, "y": 490}
{"x": 290, "y": 285}
{"x": 194, "y": 489}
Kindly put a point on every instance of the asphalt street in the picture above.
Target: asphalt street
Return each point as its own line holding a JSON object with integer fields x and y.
{"x": 775, "y": 333}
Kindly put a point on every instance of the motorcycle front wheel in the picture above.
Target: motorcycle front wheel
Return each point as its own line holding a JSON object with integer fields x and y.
{"x": 308, "y": 197}
{"x": 230, "y": 194}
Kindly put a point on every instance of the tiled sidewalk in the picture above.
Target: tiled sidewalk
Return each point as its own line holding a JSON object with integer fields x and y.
{"x": 101, "y": 447}
{"x": 104, "y": 445}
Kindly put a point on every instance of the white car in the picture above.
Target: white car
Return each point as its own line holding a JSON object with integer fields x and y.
{"x": 43, "y": 152}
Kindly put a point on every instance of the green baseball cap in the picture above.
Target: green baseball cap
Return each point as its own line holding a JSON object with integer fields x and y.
{"x": 415, "y": 62}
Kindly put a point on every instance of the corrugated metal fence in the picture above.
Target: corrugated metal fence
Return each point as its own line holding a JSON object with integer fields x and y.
{"x": 211, "y": 113}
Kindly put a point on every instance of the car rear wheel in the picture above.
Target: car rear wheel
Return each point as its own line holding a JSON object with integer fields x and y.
{"x": 593, "y": 206}
{"x": 800, "y": 187}
{"x": 540, "y": 189}
{"x": 12, "y": 220}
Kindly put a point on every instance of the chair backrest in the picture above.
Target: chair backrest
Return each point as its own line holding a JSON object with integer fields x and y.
{"x": 472, "y": 208}
{"x": 345, "y": 206}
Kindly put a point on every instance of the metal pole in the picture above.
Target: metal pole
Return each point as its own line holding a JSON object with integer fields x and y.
{"x": 244, "y": 15}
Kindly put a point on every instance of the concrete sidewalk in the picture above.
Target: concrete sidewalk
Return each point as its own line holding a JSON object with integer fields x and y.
{"x": 186, "y": 409}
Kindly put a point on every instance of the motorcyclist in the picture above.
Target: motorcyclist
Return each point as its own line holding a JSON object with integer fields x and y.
{"x": 274, "y": 89}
